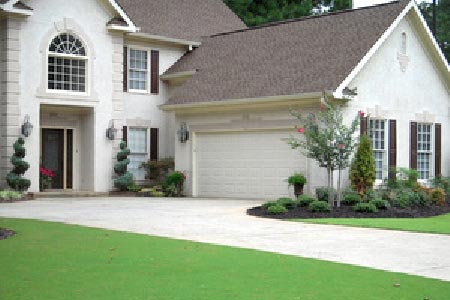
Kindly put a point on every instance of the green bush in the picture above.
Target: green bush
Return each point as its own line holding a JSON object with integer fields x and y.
{"x": 11, "y": 195}
{"x": 365, "y": 208}
{"x": 405, "y": 178}
{"x": 173, "y": 186}
{"x": 287, "y": 203}
{"x": 305, "y": 200}
{"x": 351, "y": 199}
{"x": 15, "y": 178}
{"x": 362, "y": 171}
{"x": 380, "y": 203}
{"x": 405, "y": 198}
{"x": 319, "y": 206}
{"x": 269, "y": 204}
{"x": 124, "y": 178}
{"x": 297, "y": 178}
{"x": 322, "y": 193}
{"x": 277, "y": 210}
{"x": 442, "y": 182}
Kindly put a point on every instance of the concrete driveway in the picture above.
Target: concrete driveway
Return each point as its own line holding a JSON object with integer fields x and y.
{"x": 224, "y": 222}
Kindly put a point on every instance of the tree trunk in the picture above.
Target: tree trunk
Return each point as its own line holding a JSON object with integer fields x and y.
{"x": 339, "y": 195}
{"x": 330, "y": 188}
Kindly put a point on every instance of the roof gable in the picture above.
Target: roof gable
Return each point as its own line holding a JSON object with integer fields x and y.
{"x": 312, "y": 54}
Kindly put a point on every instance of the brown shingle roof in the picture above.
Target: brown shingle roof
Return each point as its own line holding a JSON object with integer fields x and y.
{"x": 181, "y": 19}
{"x": 312, "y": 54}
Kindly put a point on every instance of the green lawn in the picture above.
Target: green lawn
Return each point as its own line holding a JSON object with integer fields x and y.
{"x": 56, "y": 261}
{"x": 438, "y": 224}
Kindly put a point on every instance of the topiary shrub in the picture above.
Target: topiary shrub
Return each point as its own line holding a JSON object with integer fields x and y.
{"x": 323, "y": 192}
{"x": 305, "y": 200}
{"x": 362, "y": 171}
{"x": 14, "y": 178}
{"x": 277, "y": 210}
{"x": 287, "y": 203}
{"x": 380, "y": 203}
{"x": 319, "y": 206}
{"x": 125, "y": 178}
{"x": 365, "y": 208}
{"x": 351, "y": 199}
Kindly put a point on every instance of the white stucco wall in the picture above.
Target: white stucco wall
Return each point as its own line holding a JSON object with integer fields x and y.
{"x": 417, "y": 94}
{"x": 87, "y": 19}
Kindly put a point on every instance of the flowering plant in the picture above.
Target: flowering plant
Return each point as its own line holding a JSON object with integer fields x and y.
{"x": 46, "y": 176}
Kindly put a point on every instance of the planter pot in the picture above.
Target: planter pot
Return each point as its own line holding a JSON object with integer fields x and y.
{"x": 298, "y": 189}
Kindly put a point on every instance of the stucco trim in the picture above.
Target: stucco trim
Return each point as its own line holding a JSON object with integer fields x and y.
{"x": 123, "y": 15}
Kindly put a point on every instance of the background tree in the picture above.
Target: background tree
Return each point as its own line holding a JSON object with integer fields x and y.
{"x": 442, "y": 22}
{"x": 15, "y": 178}
{"x": 125, "y": 178}
{"x": 327, "y": 140}
{"x": 362, "y": 172}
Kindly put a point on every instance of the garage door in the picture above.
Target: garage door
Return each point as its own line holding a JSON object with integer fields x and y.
{"x": 245, "y": 164}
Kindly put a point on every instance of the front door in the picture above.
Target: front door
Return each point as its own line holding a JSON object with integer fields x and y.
{"x": 57, "y": 156}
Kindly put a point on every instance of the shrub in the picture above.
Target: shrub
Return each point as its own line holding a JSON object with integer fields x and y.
{"x": 174, "y": 184}
{"x": 269, "y": 204}
{"x": 380, "y": 203}
{"x": 362, "y": 171}
{"x": 11, "y": 195}
{"x": 133, "y": 187}
{"x": 351, "y": 199}
{"x": 406, "y": 198}
{"x": 124, "y": 178}
{"x": 277, "y": 210}
{"x": 438, "y": 196}
{"x": 442, "y": 182}
{"x": 157, "y": 170}
{"x": 15, "y": 178}
{"x": 297, "y": 178}
{"x": 365, "y": 208}
{"x": 287, "y": 203}
{"x": 305, "y": 200}
{"x": 322, "y": 193}
{"x": 319, "y": 206}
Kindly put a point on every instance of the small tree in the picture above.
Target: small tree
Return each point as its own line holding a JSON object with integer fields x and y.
{"x": 14, "y": 178}
{"x": 125, "y": 178}
{"x": 327, "y": 140}
{"x": 363, "y": 173}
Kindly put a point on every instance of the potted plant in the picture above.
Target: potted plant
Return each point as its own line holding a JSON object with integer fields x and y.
{"x": 298, "y": 180}
{"x": 46, "y": 177}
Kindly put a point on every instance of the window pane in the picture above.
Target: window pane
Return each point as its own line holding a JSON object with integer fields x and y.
{"x": 424, "y": 150}
{"x": 137, "y": 143}
{"x": 138, "y": 70}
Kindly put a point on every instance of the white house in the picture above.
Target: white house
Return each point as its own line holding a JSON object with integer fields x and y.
{"x": 149, "y": 68}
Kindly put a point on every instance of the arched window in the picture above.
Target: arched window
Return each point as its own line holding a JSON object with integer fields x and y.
{"x": 404, "y": 43}
{"x": 67, "y": 64}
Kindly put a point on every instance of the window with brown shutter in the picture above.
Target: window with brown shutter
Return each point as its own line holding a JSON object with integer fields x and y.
{"x": 392, "y": 148}
{"x": 125, "y": 134}
{"x": 154, "y": 144}
{"x": 125, "y": 69}
{"x": 154, "y": 65}
{"x": 438, "y": 150}
{"x": 413, "y": 146}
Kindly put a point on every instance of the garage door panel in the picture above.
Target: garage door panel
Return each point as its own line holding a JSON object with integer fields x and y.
{"x": 245, "y": 164}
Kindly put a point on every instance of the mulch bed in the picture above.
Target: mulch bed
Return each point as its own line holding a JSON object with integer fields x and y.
{"x": 6, "y": 233}
{"x": 348, "y": 212}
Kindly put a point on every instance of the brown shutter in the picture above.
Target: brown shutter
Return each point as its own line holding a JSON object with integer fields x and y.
{"x": 413, "y": 146}
{"x": 154, "y": 72}
{"x": 154, "y": 143}
{"x": 392, "y": 148}
{"x": 437, "y": 150}
{"x": 363, "y": 125}
{"x": 125, "y": 134}
{"x": 125, "y": 69}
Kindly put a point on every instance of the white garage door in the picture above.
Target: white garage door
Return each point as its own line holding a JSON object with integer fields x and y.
{"x": 245, "y": 164}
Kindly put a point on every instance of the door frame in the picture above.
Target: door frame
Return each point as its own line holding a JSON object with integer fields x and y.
{"x": 74, "y": 147}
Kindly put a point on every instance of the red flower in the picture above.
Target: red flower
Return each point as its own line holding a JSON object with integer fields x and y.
{"x": 361, "y": 113}
{"x": 322, "y": 107}
{"x": 341, "y": 146}
{"x": 301, "y": 130}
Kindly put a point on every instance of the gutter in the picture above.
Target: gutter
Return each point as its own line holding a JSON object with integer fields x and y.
{"x": 191, "y": 44}
{"x": 231, "y": 102}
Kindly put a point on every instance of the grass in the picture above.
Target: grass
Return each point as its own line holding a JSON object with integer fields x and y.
{"x": 438, "y": 224}
{"x": 56, "y": 261}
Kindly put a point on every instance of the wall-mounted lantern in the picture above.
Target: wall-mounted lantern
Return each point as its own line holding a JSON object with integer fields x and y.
{"x": 27, "y": 127}
{"x": 111, "y": 132}
{"x": 183, "y": 133}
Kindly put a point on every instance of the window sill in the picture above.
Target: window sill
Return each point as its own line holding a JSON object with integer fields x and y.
{"x": 66, "y": 96}
{"x": 138, "y": 92}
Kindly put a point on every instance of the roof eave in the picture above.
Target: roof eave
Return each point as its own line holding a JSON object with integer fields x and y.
{"x": 165, "y": 39}
{"x": 8, "y": 7}
{"x": 284, "y": 99}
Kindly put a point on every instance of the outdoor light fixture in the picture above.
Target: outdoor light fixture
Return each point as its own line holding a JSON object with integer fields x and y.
{"x": 27, "y": 127}
{"x": 183, "y": 133}
{"x": 350, "y": 92}
{"x": 111, "y": 132}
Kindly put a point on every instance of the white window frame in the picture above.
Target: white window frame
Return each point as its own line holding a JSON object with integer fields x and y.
{"x": 148, "y": 77}
{"x": 147, "y": 144}
{"x": 68, "y": 56}
{"x": 430, "y": 152}
{"x": 385, "y": 163}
